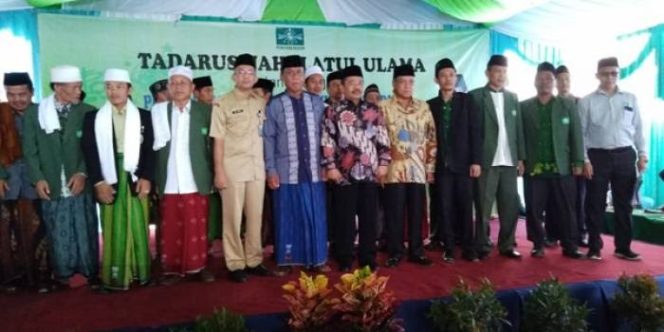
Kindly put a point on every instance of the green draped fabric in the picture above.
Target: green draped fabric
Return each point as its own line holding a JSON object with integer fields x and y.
{"x": 483, "y": 11}
{"x": 47, "y": 3}
{"x": 292, "y": 10}
{"x": 532, "y": 53}
{"x": 653, "y": 186}
{"x": 655, "y": 44}
{"x": 126, "y": 253}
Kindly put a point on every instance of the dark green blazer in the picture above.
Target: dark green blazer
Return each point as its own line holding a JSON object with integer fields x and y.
{"x": 45, "y": 154}
{"x": 567, "y": 135}
{"x": 199, "y": 149}
{"x": 482, "y": 102}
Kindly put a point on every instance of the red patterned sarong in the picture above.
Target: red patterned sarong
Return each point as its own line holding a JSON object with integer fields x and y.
{"x": 184, "y": 233}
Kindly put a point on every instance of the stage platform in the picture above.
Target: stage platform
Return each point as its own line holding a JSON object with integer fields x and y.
{"x": 160, "y": 307}
{"x": 648, "y": 226}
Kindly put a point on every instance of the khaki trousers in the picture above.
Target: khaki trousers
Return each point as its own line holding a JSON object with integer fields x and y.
{"x": 236, "y": 198}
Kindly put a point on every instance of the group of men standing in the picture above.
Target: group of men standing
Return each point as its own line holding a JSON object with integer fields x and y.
{"x": 60, "y": 156}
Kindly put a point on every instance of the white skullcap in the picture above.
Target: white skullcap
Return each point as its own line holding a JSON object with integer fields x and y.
{"x": 313, "y": 70}
{"x": 182, "y": 71}
{"x": 116, "y": 75}
{"x": 65, "y": 74}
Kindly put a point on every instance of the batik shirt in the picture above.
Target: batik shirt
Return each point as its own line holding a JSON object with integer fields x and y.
{"x": 412, "y": 135}
{"x": 354, "y": 141}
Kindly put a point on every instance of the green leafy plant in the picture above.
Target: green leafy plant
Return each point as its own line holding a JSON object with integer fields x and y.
{"x": 218, "y": 321}
{"x": 365, "y": 303}
{"x": 361, "y": 303}
{"x": 468, "y": 310}
{"x": 309, "y": 303}
{"x": 550, "y": 308}
{"x": 640, "y": 303}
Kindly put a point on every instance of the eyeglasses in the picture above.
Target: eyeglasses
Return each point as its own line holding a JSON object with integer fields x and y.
{"x": 245, "y": 72}
{"x": 609, "y": 73}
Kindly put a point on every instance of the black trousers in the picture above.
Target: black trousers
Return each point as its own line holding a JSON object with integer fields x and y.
{"x": 551, "y": 220}
{"x": 402, "y": 199}
{"x": 618, "y": 168}
{"x": 581, "y": 205}
{"x": 331, "y": 224}
{"x": 435, "y": 215}
{"x": 357, "y": 199}
{"x": 551, "y": 223}
{"x": 543, "y": 193}
{"x": 454, "y": 202}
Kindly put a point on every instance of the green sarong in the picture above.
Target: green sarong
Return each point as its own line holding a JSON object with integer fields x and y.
{"x": 126, "y": 253}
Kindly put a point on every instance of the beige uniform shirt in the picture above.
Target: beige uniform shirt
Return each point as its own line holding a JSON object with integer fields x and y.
{"x": 237, "y": 118}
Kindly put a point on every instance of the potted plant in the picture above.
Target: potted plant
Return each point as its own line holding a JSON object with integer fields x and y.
{"x": 469, "y": 310}
{"x": 549, "y": 308}
{"x": 365, "y": 304}
{"x": 639, "y": 303}
{"x": 310, "y": 306}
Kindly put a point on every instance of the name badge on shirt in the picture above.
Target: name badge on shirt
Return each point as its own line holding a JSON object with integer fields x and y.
{"x": 204, "y": 131}
{"x": 238, "y": 111}
{"x": 629, "y": 108}
{"x": 514, "y": 112}
{"x": 79, "y": 134}
{"x": 565, "y": 120}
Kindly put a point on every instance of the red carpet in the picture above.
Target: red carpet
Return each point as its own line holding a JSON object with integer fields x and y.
{"x": 81, "y": 310}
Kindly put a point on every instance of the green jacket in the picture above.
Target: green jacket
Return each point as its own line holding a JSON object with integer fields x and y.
{"x": 199, "y": 149}
{"x": 46, "y": 154}
{"x": 481, "y": 100}
{"x": 3, "y": 173}
{"x": 567, "y": 135}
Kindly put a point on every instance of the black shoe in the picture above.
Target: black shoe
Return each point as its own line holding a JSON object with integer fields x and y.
{"x": 94, "y": 283}
{"x": 627, "y": 255}
{"x": 43, "y": 288}
{"x": 283, "y": 271}
{"x": 550, "y": 243}
{"x": 205, "y": 276}
{"x": 259, "y": 270}
{"x": 238, "y": 276}
{"x": 470, "y": 256}
{"x": 434, "y": 246}
{"x": 537, "y": 253}
{"x": 448, "y": 256}
{"x": 170, "y": 280}
{"x": 420, "y": 260}
{"x": 10, "y": 289}
{"x": 594, "y": 255}
{"x": 483, "y": 255}
{"x": 573, "y": 254}
{"x": 393, "y": 261}
{"x": 511, "y": 254}
{"x": 583, "y": 242}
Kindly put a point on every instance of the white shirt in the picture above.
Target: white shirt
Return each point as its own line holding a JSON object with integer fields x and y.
{"x": 180, "y": 176}
{"x": 611, "y": 121}
{"x": 503, "y": 156}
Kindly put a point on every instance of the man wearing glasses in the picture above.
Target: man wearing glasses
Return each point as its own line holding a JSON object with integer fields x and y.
{"x": 613, "y": 138}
